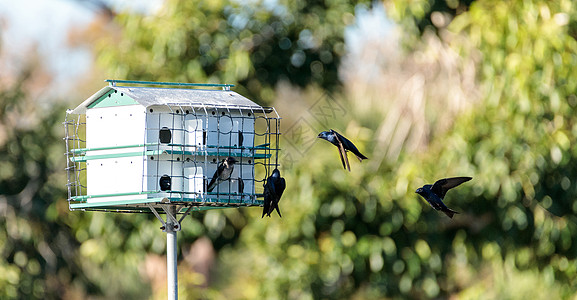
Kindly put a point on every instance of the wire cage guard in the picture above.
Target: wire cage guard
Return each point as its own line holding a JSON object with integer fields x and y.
{"x": 135, "y": 148}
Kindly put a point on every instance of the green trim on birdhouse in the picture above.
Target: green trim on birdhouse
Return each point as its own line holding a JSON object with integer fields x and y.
{"x": 103, "y": 156}
{"x": 113, "y": 82}
{"x": 212, "y": 203}
{"x": 144, "y": 209}
{"x": 111, "y": 99}
{"x": 236, "y": 154}
{"x": 117, "y": 202}
{"x": 210, "y": 153}
{"x": 220, "y": 201}
{"x": 208, "y": 199}
{"x": 85, "y": 158}
{"x": 84, "y": 150}
{"x": 86, "y": 197}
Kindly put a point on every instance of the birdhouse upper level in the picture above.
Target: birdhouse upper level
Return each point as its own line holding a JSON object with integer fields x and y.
{"x": 130, "y": 146}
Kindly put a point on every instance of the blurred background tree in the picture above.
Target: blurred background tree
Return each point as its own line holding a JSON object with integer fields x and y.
{"x": 254, "y": 44}
{"x": 429, "y": 89}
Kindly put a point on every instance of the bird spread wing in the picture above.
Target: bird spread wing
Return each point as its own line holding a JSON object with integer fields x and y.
{"x": 267, "y": 202}
{"x": 278, "y": 193}
{"x": 441, "y": 187}
{"x": 281, "y": 187}
{"x": 342, "y": 152}
{"x": 269, "y": 196}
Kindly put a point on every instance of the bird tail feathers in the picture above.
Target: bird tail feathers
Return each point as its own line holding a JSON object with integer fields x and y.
{"x": 449, "y": 212}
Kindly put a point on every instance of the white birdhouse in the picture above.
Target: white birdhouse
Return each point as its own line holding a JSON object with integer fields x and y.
{"x": 131, "y": 147}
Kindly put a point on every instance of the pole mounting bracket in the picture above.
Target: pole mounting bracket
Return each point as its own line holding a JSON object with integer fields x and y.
{"x": 171, "y": 220}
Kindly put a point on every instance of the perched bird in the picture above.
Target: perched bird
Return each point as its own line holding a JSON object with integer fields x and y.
{"x": 222, "y": 173}
{"x": 344, "y": 145}
{"x": 435, "y": 193}
{"x": 273, "y": 189}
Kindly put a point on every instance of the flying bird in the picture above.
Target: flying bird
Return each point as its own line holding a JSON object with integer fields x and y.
{"x": 344, "y": 145}
{"x": 435, "y": 193}
{"x": 273, "y": 189}
{"x": 222, "y": 173}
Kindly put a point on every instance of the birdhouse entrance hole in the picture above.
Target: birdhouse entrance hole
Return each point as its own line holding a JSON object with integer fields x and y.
{"x": 165, "y": 135}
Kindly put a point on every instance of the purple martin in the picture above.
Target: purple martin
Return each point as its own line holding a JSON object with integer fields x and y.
{"x": 435, "y": 193}
{"x": 222, "y": 173}
{"x": 273, "y": 189}
{"x": 344, "y": 145}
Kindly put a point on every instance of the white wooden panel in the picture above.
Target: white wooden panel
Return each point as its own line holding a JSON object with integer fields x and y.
{"x": 115, "y": 126}
{"x": 113, "y": 176}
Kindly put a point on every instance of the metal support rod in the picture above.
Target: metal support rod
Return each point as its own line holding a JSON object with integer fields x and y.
{"x": 171, "y": 215}
{"x": 185, "y": 214}
{"x": 157, "y": 216}
{"x": 171, "y": 227}
{"x": 171, "y": 255}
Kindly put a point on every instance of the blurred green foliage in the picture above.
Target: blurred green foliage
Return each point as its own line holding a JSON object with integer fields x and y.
{"x": 363, "y": 234}
{"x": 36, "y": 243}
{"x": 255, "y": 44}
{"x": 368, "y": 236}
{"x": 420, "y": 15}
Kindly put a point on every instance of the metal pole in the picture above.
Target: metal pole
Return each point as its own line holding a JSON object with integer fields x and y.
{"x": 171, "y": 271}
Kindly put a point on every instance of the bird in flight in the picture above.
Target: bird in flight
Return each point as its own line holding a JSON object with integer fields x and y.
{"x": 222, "y": 173}
{"x": 435, "y": 193}
{"x": 344, "y": 145}
{"x": 273, "y": 189}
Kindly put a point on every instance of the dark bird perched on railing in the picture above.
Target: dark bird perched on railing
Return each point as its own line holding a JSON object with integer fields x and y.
{"x": 273, "y": 189}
